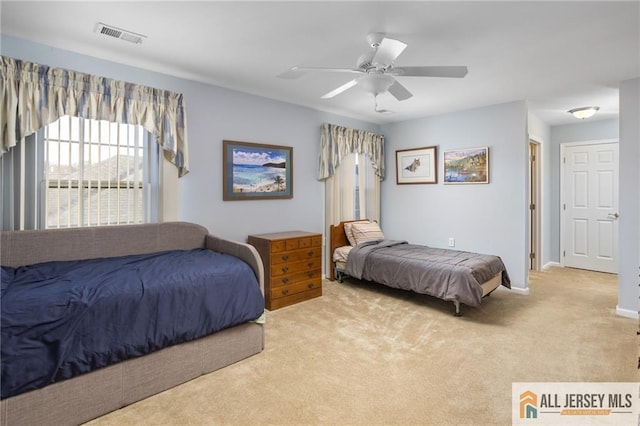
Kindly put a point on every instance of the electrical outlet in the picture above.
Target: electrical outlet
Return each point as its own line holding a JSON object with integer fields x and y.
{"x": 452, "y": 242}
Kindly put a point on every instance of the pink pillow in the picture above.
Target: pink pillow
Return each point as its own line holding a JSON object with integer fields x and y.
{"x": 363, "y": 232}
{"x": 348, "y": 230}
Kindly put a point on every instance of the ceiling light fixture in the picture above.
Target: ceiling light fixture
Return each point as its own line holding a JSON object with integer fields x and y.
{"x": 584, "y": 112}
{"x": 375, "y": 83}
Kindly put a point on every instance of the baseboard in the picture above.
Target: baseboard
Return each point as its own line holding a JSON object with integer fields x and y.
{"x": 551, "y": 265}
{"x": 627, "y": 313}
{"x": 520, "y": 290}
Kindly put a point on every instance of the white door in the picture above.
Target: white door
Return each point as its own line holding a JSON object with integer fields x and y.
{"x": 591, "y": 207}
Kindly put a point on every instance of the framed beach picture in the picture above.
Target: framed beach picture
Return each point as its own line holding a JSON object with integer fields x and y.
{"x": 252, "y": 171}
{"x": 416, "y": 165}
{"x": 469, "y": 165}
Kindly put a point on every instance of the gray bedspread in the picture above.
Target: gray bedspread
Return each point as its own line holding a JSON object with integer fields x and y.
{"x": 450, "y": 275}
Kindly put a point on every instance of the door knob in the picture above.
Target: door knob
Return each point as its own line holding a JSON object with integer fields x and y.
{"x": 613, "y": 215}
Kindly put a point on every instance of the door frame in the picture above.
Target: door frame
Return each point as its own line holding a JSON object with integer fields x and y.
{"x": 562, "y": 183}
{"x": 534, "y": 218}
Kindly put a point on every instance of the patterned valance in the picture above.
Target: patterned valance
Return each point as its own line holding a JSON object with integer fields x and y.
{"x": 336, "y": 142}
{"x": 35, "y": 95}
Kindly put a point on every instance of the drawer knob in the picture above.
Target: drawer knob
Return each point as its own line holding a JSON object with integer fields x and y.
{"x": 285, "y": 269}
{"x": 285, "y": 280}
{"x": 285, "y": 292}
{"x": 310, "y": 285}
{"x": 310, "y": 264}
{"x": 310, "y": 253}
{"x": 285, "y": 257}
{"x": 310, "y": 274}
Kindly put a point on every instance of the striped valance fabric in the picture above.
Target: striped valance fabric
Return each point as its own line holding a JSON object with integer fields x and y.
{"x": 336, "y": 142}
{"x": 35, "y": 95}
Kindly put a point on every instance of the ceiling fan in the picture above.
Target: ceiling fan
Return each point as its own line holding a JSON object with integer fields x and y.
{"x": 377, "y": 70}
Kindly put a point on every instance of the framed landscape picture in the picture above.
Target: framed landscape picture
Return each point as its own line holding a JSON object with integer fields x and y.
{"x": 252, "y": 171}
{"x": 416, "y": 165}
{"x": 469, "y": 165}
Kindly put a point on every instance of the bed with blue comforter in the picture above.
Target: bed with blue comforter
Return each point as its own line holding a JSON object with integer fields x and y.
{"x": 65, "y": 318}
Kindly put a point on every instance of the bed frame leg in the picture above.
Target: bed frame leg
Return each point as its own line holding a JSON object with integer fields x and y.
{"x": 457, "y": 305}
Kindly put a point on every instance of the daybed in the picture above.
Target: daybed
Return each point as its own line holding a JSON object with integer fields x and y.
{"x": 140, "y": 369}
{"x": 359, "y": 249}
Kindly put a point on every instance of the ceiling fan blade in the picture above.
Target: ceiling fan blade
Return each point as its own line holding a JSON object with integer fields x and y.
{"x": 340, "y": 89}
{"x": 296, "y": 72}
{"x": 292, "y": 73}
{"x": 399, "y": 91}
{"x": 388, "y": 51}
{"x": 453, "y": 72}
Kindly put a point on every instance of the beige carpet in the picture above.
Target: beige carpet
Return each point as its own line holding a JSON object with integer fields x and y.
{"x": 365, "y": 354}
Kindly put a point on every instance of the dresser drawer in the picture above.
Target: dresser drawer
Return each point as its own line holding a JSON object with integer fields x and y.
{"x": 278, "y": 246}
{"x": 295, "y": 277}
{"x": 290, "y": 289}
{"x": 281, "y": 302}
{"x": 292, "y": 256}
{"x": 293, "y": 267}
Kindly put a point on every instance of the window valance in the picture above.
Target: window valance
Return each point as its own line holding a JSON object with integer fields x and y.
{"x": 35, "y": 95}
{"x": 336, "y": 142}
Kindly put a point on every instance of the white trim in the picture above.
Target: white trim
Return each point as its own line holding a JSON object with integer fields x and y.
{"x": 627, "y": 313}
{"x": 539, "y": 142}
{"x": 520, "y": 290}
{"x": 590, "y": 142}
{"x": 550, "y": 265}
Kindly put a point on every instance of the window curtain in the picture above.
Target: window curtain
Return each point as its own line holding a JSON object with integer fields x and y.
{"x": 341, "y": 149}
{"x": 336, "y": 142}
{"x": 35, "y": 95}
{"x": 342, "y": 201}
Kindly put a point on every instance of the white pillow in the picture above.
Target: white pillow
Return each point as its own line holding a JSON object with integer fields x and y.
{"x": 348, "y": 230}
{"x": 363, "y": 232}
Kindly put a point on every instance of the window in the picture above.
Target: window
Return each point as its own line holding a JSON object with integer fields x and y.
{"x": 356, "y": 190}
{"x": 353, "y": 192}
{"x": 80, "y": 172}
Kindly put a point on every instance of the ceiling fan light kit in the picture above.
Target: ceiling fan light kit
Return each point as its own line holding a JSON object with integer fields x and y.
{"x": 584, "y": 112}
{"x": 378, "y": 72}
{"x": 375, "y": 83}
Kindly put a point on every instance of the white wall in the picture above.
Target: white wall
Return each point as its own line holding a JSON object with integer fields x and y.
{"x": 214, "y": 114}
{"x": 485, "y": 218}
{"x": 629, "y": 247}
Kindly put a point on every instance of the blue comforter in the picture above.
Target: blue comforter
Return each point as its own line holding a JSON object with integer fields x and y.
{"x": 62, "y": 319}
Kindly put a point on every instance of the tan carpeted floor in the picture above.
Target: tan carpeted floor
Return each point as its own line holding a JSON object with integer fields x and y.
{"x": 365, "y": 354}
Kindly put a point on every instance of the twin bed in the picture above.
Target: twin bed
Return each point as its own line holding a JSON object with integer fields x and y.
{"x": 360, "y": 250}
{"x": 97, "y": 318}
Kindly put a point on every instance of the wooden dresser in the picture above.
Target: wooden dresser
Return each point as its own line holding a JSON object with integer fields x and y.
{"x": 292, "y": 266}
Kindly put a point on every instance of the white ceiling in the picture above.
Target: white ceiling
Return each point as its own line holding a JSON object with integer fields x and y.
{"x": 556, "y": 55}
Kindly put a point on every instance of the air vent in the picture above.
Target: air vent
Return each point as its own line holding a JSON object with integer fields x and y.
{"x": 111, "y": 31}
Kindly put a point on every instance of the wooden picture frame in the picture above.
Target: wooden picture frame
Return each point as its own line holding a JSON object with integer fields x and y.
{"x": 417, "y": 165}
{"x": 252, "y": 171}
{"x": 465, "y": 166}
